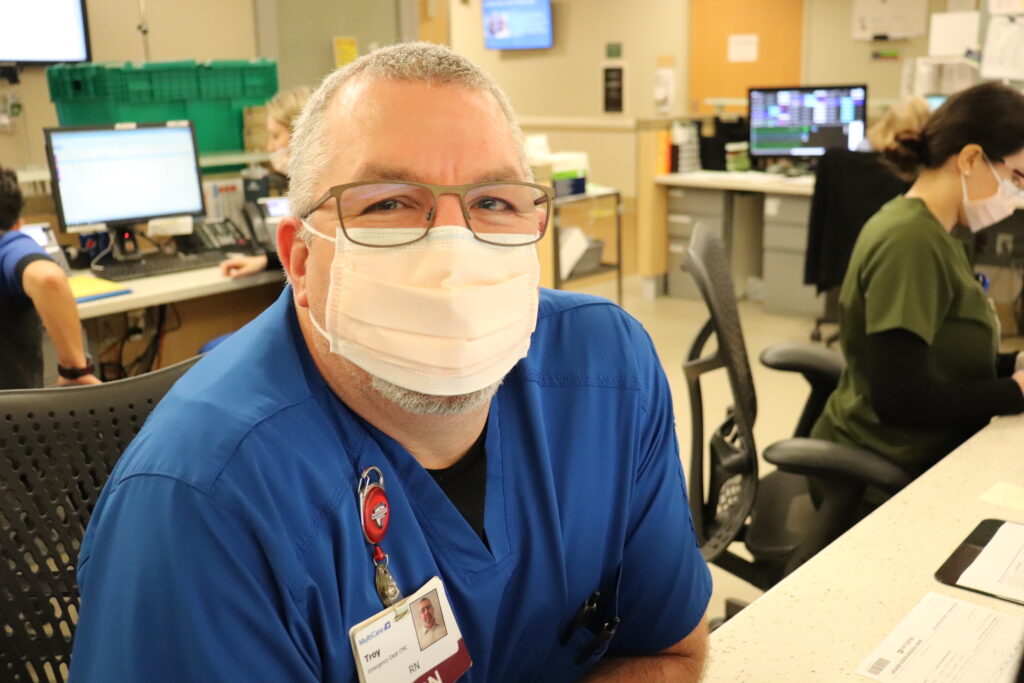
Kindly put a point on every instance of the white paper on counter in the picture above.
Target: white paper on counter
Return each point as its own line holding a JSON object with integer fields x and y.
{"x": 945, "y": 640}
{"x": 999, "y": 568}
{"x": 1005, "y": 495}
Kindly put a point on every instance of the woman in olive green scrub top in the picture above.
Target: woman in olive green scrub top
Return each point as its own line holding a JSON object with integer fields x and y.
{"x": 919, "y": 333}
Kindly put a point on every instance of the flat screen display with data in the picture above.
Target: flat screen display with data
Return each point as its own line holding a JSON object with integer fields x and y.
{"x": 805, "y": 121}
{"x": 123, "y": 174}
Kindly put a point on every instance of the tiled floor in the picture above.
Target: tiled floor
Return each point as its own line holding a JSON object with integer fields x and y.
{"x": 673, "y": 324}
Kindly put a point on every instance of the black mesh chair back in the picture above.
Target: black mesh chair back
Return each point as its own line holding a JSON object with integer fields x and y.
{"x": 57, "y": 448}
{"x": 731, "y": 479}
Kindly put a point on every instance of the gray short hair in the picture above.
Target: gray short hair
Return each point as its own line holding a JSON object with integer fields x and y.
{"x": 417, "y": 61}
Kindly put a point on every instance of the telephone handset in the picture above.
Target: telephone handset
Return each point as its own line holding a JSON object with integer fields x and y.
{"x": 215, "y": 234}
{"x": 263, "y": 215}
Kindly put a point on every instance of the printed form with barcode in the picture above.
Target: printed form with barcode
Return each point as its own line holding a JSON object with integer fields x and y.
{"x": 946, "y": 640}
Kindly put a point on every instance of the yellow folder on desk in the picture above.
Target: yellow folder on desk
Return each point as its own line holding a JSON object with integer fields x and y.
{"x": 87, "y": 288}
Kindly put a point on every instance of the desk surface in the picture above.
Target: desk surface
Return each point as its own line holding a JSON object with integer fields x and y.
{"x": 825, "y": 618}
{"x": 741, "y": 181}
{"x": 170, "y": 288}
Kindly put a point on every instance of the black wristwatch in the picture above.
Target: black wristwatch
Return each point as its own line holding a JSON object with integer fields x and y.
{"x": 75, "y": 373}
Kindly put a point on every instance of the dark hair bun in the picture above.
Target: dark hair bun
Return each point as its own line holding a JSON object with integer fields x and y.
{"x": 907, "y": 154}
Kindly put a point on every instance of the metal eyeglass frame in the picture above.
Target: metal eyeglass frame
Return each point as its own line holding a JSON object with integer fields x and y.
{"x": 437, "y": 190}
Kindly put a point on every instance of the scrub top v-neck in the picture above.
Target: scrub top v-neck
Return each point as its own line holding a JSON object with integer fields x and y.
{"x": 232, "y": 523}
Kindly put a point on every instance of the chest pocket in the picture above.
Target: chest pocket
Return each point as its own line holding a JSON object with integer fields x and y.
{"x": 583, "y": 642}
{"x": 973, "y": 305}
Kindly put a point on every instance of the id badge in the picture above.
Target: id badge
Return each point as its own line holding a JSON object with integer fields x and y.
{"x": 415, "y": 640}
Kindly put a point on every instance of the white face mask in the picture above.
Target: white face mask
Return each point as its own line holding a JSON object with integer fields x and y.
{"x": 444, "y": 316}
{"x": 982, "y": 213}
{"x": 279, "y": 160}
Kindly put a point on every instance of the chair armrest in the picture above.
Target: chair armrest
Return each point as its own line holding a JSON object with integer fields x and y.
{"x": 807, "y": 359}
{"x": 817, "y": 457}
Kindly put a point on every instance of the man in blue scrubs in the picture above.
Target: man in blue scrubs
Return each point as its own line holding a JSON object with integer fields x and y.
{"x": 34, "y": 292}
{"x": 542, "y": 486}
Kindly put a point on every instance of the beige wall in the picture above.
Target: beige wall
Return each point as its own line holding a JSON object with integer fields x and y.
{"x": 306, "y": 31}
{"x": 832, "y": 56}
{"x": 563, "y": 83}
{"x": 179, "y": 29}
{"x": 612, "y": 152}
{"x": 432, "y": 19}
{"x": 565, "y": 80}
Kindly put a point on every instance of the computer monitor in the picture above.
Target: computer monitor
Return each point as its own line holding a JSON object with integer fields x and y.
{"x": 805, "y": 121}
{"x": 122, "y": 174}
{"x": 935, "y": 101}
{"x": 44, "y": 32}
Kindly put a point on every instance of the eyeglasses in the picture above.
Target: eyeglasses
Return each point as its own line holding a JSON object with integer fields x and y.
{"x": 385, "y": 214}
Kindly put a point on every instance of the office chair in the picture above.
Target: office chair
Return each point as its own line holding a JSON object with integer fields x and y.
{"x": 849, "y": 188}
{"x": 57, "y": 448}
{"x": 815, "y": 494}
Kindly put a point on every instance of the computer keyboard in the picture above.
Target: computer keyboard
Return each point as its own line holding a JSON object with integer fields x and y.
{"x": 156, "y": 264}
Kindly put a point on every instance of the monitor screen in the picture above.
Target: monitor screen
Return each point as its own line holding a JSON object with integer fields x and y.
{"x": 517, "y": 24}
{"x": 40, "y": 232}
{"x": 935, "y": 101}
{"x": 123, "y": 173}
{"x": 43, "y": 32}
{"x": 805, "y": 121}
{"x": 277, "y": 207}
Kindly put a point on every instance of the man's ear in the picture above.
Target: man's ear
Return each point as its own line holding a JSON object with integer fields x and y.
{"x": 294, "y": 255}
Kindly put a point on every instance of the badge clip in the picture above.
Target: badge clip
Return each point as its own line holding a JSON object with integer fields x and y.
{"x": 376, "y": 515}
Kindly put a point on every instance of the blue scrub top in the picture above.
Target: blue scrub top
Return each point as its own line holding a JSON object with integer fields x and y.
{"x": 227, "y": 544}
{"x": 17, "y": 250}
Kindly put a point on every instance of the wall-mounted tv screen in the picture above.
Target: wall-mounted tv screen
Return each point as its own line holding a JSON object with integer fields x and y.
{"x": 517, "y": 24}
{"x": 36, "y": 32}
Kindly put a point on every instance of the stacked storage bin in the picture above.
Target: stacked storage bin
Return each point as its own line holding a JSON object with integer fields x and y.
{"x": 212, "y": 95}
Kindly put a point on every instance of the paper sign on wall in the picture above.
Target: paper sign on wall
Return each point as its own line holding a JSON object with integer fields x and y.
{"x": 346, "y": 49}
{"x": 873, "y": 19}
{"x": 1003, "y": 56}
{"x": 1006, "y": 6}
{"x": 743, "y": 47}
{"x": 953, "y": 33}
{"x": 664, "y": 90}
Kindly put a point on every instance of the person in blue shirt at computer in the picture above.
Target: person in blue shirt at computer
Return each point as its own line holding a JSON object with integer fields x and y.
{"x": 414, "y": 418}
{"x": 34, "y": 292}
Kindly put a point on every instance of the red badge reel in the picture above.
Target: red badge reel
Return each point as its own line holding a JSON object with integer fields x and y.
{"x": 375, "y": 512}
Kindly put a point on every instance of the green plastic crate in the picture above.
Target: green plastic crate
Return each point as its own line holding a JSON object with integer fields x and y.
{"x": 212, "y": 95}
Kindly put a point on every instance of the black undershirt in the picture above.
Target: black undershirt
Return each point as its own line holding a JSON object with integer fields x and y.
{"x": 904, "y": 394}
{"x": 465, "y": 484}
